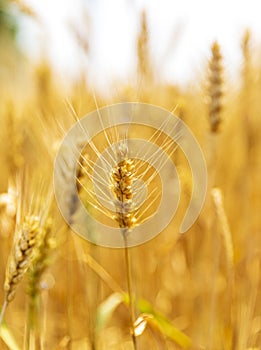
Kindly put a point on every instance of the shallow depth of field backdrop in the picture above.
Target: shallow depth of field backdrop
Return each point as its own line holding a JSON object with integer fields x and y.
{"x": 58, "y": 62}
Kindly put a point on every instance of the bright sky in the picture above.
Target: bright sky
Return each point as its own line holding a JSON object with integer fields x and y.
{"x": 181, "y": 32}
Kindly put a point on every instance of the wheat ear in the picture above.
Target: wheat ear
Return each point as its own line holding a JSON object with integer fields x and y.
{"x": 144, "y": 66}
{"x": 20, "y": 257}
{"x": 215, "y": 88}
{"x": 215, "y": 93}
{"x": 40, "y": 260}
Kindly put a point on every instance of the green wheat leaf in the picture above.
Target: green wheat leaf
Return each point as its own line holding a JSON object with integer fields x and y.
{"x": 163, "y": 325}
{"x": 106, "y": 309}
{"x": 8, "y": 338}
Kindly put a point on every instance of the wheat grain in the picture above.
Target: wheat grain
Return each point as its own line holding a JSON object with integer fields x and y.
{"x": 122, "y": 178}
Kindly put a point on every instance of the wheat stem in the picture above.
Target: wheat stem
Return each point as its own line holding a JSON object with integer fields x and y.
{"x": 123, "y": 177}
{"x": 38, "y": 267}
{"x": 226, "y": 233}
{"x": 3, "y": 312}
{"x": 102, "y": 273}
{"x": 129, "y": 286}
{"x": 33, "y": 320}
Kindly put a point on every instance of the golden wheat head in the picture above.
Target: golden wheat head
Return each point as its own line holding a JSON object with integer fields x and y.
{"x": 21, "y": 255}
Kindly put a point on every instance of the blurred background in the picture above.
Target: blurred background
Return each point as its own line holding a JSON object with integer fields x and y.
{"x": 99, "y": 38}
{"x": 200, "y": 58}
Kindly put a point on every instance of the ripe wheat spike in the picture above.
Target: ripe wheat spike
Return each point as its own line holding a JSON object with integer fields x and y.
{"x": 215, "y": 88}
{"x": 21, "y": 255}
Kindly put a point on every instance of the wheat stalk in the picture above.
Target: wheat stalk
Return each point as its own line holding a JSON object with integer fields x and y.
{"x": 40, "y": 263}
{"x": 122, "y": 179}
{"x": 225, "y": 232}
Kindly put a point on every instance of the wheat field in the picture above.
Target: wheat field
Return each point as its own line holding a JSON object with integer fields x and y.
{"x": 197, "y": 290}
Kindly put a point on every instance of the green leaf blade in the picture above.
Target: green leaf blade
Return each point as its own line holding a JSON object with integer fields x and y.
{"x": 164, "y": 326}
